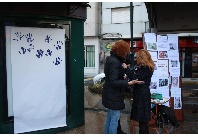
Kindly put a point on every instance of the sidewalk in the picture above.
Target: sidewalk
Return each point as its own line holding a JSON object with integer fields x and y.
{"x": 95, "y": 121}
{"x": 95, "y": 116}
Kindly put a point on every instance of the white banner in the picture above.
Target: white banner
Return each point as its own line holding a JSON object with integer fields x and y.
{"x": 38, "y": 78}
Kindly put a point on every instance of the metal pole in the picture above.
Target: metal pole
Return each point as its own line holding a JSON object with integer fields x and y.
{"x": 131, "y": 26}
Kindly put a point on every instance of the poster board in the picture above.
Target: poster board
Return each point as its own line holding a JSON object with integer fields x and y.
{"x": 166, "y": 78}
{"x": 38, "y": 78}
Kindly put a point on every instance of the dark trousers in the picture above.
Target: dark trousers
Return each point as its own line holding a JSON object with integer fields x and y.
{"x": 143, "y": 127}
{"x": 119, "y": 130}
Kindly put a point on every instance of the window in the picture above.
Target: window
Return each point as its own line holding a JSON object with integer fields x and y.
{"x": 120, "y": 15}
{"x": 189, "y": 63}
{"x": 195, "y": 64}
{"x": 89, "y": 56}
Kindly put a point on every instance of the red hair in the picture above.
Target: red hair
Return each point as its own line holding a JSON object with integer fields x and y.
{"x": 121, "y": 48}
{"x": 143, "y": 58}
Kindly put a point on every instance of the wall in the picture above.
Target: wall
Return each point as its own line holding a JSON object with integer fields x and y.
{"x": 91, "y": 34}
{"x": 139, "y": 19}
{"x": 91, "y": 25}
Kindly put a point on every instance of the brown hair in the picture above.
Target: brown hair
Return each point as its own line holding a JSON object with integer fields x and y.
{"x": 143, "y": 58}
{"x": 121, "y": 48}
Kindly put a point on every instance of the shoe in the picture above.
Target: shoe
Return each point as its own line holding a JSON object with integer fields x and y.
{"x": 121, "y": 132}
{"x": 154, "y": 117}
{"x": 170, "y": 128}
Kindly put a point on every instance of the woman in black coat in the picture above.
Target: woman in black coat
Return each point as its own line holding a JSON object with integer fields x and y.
{"x": 141, "y": 106}
{"x": 112, "y": 94}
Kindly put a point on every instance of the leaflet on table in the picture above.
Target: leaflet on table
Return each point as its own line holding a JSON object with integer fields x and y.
{"x": 164, "y": 92}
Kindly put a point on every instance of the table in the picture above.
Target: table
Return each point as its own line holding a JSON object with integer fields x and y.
{"x": 157, "y": 103}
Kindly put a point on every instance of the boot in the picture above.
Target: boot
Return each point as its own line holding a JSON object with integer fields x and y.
{"x": 119, "y": 130}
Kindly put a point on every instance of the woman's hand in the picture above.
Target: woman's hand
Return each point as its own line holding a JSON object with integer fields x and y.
{"x": 124, "y": 65}
{"x": 135, "y": 82}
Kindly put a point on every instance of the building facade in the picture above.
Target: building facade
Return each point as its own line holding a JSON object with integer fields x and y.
{"x": 91, "y": 39}
{"x": 106, "y": 23}
{"x": 113, "y": 20}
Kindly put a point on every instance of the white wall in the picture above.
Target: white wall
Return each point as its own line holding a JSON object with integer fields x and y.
{"x": 139, "y": 18}
{"x": 106, "y": 5}
{"x": 91, "y": 25}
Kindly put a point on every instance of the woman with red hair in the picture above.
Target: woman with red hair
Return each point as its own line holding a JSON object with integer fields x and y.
{"x": 141, "y": 106}
{"x": 112, "y": 94}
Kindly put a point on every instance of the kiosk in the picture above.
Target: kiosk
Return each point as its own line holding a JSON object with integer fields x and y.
{"x": 41, "y": 66}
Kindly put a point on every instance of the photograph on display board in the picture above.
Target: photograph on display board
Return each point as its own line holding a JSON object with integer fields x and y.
{"x": 177, "y": 103}
{"x": 153, "y": 85}
{"x": 174, "y": 63}
{"x": 175, "y": 82}
{"x": 163, "y": 82}
{"x": 172, "y": 46}
{"x": 162, "y": 54}
{"x": 151, "y": 46}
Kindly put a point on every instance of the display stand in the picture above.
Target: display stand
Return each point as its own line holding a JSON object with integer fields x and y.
{"x": 165, "y": 54}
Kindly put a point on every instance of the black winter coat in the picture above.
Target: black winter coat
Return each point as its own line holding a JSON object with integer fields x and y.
{"x": 141, "y": 106}
{"x": 112, "y": 94}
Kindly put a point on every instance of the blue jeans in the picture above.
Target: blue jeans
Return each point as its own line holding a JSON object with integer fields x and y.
{"x": 112, "y": 121}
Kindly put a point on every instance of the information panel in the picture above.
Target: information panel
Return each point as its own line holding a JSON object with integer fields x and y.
{"x": 38, "y": 78}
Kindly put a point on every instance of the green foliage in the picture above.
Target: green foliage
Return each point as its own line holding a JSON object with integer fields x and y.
{"x": 98, "y": 87}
